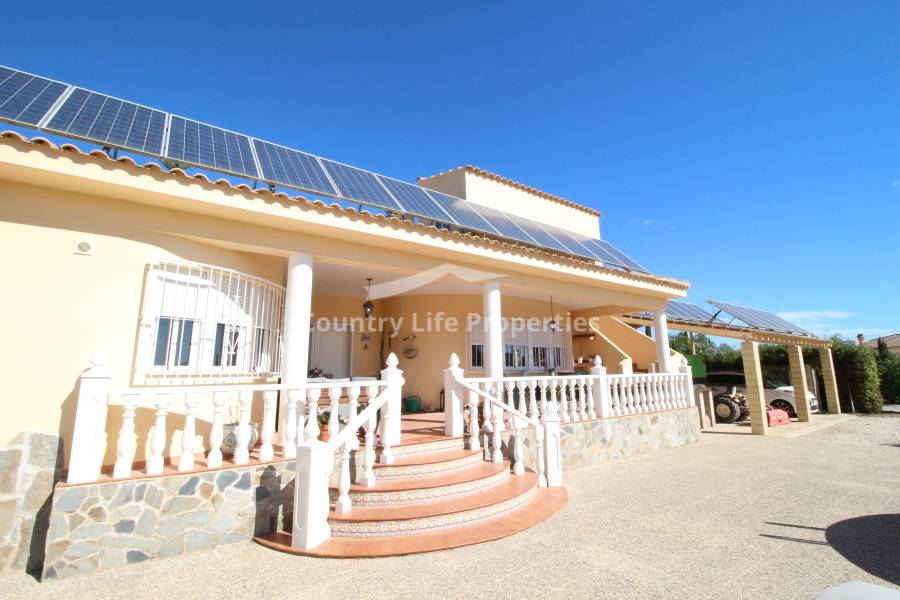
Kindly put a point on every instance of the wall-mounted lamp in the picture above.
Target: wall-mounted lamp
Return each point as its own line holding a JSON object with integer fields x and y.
{"x": 368, "y": 305}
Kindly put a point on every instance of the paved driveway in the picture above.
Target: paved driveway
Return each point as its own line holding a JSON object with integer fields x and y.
{"x": 734, "y": 516}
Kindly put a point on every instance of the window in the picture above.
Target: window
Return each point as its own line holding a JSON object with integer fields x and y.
{"x": 556, "y": 357}
{"x": 514, "y": 357}
{"x": 200, "y": 320}
{"x": 173, "y": 342}
{"x": 539, "y": 357}
{"x": 477, "y": 360}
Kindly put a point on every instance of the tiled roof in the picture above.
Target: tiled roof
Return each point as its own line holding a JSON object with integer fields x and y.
{"x": 516, "y": 184}
{"x": 545, "y": 253}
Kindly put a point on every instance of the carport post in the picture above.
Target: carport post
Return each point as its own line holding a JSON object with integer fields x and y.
{"x": 759, "y": 425}
{"x": 798, "y": 380}
{"x": 831, "y": 390}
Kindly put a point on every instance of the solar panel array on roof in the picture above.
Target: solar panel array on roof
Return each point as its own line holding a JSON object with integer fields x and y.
{"x": 759, "y": 319}
{"x": 33, "y": 101}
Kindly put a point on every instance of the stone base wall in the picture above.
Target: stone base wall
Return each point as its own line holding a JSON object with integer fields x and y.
{"x": 29, "y": 468}
{"x": 95, "y": 526}
{"x": 590, "y": 443}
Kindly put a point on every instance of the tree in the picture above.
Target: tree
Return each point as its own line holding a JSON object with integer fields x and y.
{"x": 889, "y": 372}
{"x": 857, "y": 376}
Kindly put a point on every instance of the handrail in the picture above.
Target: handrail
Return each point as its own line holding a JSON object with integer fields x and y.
{"x": 352, "y": 426}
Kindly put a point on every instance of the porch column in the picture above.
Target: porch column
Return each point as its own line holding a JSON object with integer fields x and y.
{"x": 798, "y": 380}
{"x": 661, "y": 333}
{"x": 494, "y": 334}
{"x": 831, "y": 389}
{"x": 295, "y": 340}
{"x": 759, "y": 425}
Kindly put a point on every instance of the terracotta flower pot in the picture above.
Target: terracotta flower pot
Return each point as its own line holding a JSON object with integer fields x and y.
{"x": 230, "y": 439}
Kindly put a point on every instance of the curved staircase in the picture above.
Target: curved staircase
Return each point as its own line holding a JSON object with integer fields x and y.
{"x": 435, "y": 496}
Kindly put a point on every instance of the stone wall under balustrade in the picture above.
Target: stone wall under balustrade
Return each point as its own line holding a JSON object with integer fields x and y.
{"x": 590, "y": 443}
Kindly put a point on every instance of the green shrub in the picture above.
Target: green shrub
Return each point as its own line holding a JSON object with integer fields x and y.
{"x": 889, "y": 372}
{"x": 857, "y": 376}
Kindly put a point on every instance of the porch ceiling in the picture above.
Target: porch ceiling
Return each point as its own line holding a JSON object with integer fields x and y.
{"x": 349, "y": 279}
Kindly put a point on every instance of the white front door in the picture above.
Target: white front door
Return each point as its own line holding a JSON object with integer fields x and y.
{"x": 330, "y": 352}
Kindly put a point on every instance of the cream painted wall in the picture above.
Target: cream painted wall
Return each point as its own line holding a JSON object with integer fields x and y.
{"x": 61, "y": 307}
{"x": 424, "y": 373}
{"x": 640, "y": 348}
{"x": 486, "y": 191}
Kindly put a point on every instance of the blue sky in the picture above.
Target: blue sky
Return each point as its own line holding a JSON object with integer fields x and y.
{"x": 753, "y": 149}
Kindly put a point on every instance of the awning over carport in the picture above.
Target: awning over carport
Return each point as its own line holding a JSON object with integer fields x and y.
{"x": 752, "y": 326}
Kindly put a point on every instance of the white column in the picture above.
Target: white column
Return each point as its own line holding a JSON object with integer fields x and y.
{"x": 661, "y": 334}
{"x": 494, "y": 334}
{"x": 295, "y": 344}
{"x": 390, "y": 413}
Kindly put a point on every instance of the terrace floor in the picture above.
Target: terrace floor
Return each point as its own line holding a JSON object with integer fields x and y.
{"x": 732, "y": 516}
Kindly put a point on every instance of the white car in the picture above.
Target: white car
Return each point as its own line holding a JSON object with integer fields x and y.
{"x": 778, "y": 395}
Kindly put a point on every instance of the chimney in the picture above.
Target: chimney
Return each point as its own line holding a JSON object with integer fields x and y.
{"x": 860, "y": 338}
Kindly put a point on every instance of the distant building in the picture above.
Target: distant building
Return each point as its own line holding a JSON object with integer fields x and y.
{"x": 892, "y": 341}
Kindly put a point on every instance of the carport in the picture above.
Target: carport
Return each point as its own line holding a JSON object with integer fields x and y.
{"x": 753, "y": 326}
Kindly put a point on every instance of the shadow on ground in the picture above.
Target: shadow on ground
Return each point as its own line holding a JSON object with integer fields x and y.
{"x": 871, "y": 543}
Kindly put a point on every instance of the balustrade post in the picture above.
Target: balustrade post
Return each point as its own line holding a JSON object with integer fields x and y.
{"x": 519, "y": 465}
{"x": 89, "y": 433}
{"x": 242, "y": 450}
{"x": 289, "y": 440}
{"x": 343, "y": 503}
{"x": 599, "y": 384}
{"x": 310, "y": 521}
{"x": 615, "y": 401}
{"x": 552, "y": 450}
{"x": 353, "y": 397}
{"x": 563, "y": 406}
{"x": 541, "y": 457}
{"x": 688, "y": 374}
{"x": 453, "y": 400}
{"x": 486, "y": 408}
{"x": 574, "y": 400}
{"x": 126, "y": 443}
{"x": 532, "y": 401}
{"x": 368, "y": 478}
{"x": 217, "y": 433}
{"x": 334, "y": 411}
{"x": 158, "y": 439}
{"x": 266, "y": 450}
{"x": 496, "y": 438}
{"x": 474, "y": 428}
{"x": 188, "y": 434}
{"x": 312, "y": 413}
{"x": 390, "y": 414}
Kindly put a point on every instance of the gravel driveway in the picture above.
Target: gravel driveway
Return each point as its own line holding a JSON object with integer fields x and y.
{"x": 734, "y": 516}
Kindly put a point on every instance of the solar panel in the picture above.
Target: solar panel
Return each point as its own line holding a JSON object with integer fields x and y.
{"x": 213, "y": 147}
{"x": 361, "y": 186}
{"x": 685, "y": 311}
{"x": 292, "y": 168}
{"x": 615, "y": 256}
{"x": 108, "y": 120}
{"x": 757, "y": 318}
{"x": 505, "y": 226}
{"x": 538, "y": 234}
{"x": 26, "y": 98}
{"x": 577, "y": 243}
{"x": 462, "y": 212}
{"x": 415, "y": 200}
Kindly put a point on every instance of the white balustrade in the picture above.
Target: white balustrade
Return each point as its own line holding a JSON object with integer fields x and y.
{"x": 189, "y": 434}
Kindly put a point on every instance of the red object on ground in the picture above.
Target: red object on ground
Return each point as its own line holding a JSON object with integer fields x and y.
{"x": 777, "y": 416}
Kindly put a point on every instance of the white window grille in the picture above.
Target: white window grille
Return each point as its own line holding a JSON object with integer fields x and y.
{"x": 200, "y": 320}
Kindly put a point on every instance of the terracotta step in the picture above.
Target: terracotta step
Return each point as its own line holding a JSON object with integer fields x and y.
{"x": 412, "y": 519}
{"x": 545, "y": 503}
{"x": 424, "y": 488}
{"x": 414, "y": 447}
{"x": 423, "y": 463}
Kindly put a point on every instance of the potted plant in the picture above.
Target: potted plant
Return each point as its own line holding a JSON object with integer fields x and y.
{"x": 323, "y": 419}
{"x": 230, "y": 437}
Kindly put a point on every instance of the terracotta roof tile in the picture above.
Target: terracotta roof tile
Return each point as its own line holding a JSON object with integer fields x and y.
{"x": 336, "y": 208}
{"x": 516, "y": 184}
